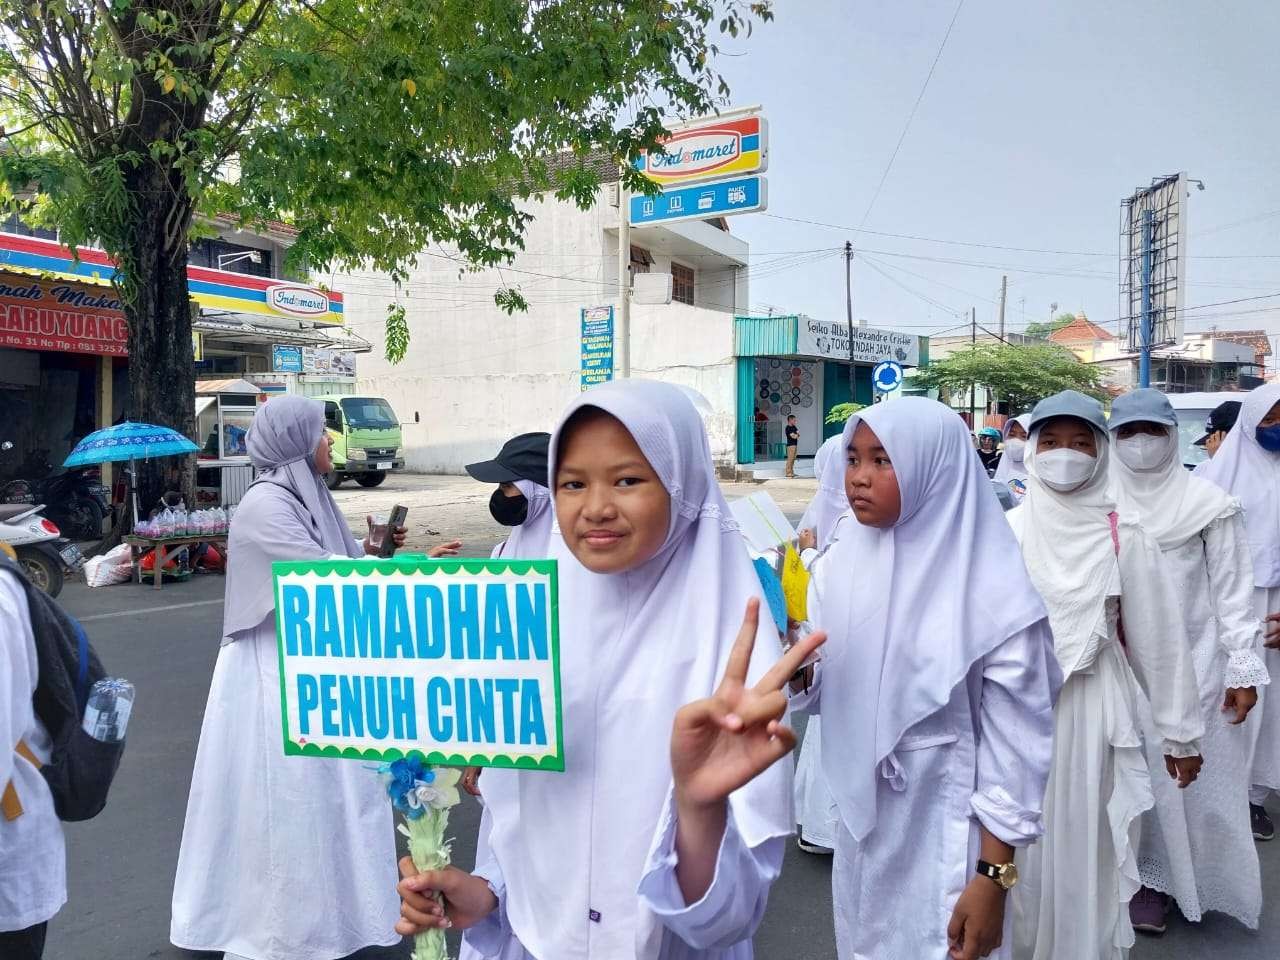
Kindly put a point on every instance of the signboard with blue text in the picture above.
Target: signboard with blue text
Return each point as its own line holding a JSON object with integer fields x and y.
{"x": 286, "y": 359}
{"x": 597, "y": 345}
{"x": 701, "y": 202}
{"x": 709, "y": 149}
{"x": 455, "y": 660}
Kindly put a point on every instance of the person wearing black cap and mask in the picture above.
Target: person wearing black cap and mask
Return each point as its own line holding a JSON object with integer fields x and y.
{"x": 522, "y": 500}
{"x": 1221, "y": 419}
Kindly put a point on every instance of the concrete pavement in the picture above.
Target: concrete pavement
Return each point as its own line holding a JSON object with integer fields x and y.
{"x": 121, "y": 865}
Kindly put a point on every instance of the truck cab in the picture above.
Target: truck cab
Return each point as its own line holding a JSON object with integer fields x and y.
{"x": 367, "y": 444}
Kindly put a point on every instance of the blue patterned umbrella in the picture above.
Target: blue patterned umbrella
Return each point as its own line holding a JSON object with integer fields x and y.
{"x": 129, "y": 441}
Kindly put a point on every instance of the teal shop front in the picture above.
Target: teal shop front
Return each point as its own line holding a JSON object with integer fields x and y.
{"x": 798, "y": 366}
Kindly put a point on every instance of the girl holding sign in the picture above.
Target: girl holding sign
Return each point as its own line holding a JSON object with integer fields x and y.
{"x": 265, "y": 833}
{"x": 941, "y": 691}
{"x": 667, "y": 828}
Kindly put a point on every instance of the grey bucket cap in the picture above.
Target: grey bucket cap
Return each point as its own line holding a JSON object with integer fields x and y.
{"x": 1142, "y": 405}
{"x": 1070, "y": 403}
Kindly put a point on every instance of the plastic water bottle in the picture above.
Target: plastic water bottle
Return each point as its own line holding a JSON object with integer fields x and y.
{"x": 107, "y": 715}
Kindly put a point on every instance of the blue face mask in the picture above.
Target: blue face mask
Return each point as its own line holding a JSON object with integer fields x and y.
{"x": 1269, "y": 438}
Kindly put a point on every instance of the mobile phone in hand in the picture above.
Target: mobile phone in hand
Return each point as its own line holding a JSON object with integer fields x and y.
{"x": 388, "y": 546}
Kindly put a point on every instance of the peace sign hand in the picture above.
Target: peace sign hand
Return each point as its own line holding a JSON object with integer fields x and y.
{"x": 723, "y": 742}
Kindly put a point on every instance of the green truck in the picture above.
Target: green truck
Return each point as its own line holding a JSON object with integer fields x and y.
{"x": 366, "y": 439}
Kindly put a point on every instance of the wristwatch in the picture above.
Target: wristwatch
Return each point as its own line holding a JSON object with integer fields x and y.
{"x": 1004, "y": 874}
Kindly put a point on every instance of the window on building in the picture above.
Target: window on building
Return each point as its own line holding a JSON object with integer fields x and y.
{"x": 14, "y": 224}
{"x": 236, "y": 257}
{"x": 682, "y": 283}
{"x": 641, "y": 260}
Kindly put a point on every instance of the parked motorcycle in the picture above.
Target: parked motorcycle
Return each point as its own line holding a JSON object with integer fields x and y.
{"x": 46, "y": 556}
{"x": 75, "y": 500}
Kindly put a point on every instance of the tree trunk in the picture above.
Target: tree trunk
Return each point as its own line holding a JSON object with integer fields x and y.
{"x": 161, "y": 363}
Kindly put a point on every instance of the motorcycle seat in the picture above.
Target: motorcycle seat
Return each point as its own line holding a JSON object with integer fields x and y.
{"x": 9, "y": 511}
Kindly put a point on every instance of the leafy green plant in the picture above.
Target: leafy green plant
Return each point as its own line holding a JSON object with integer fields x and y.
{"x": 842, "y": 412}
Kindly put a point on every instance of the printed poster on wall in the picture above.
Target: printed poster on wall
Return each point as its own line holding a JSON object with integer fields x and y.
{"x": 455, "y": 660}
{"x": 597, "y": 345}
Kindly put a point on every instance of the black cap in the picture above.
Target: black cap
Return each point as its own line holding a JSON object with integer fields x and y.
{"x": 521, "y": 458}
{"x": 1222, "y": 418}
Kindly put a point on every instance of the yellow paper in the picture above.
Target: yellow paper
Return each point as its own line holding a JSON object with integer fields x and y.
{"x": 795, "y": 585}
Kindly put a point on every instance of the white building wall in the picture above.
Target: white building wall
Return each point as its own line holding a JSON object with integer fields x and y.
{"x": 474, "y": 376}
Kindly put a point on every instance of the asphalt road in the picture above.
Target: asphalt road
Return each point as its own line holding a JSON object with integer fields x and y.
{"x": 121, "y": 865}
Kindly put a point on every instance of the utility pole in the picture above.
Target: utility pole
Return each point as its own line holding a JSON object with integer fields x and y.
{"x": 623, "y": 334}
{"x": 973, "y": 344}
{"x": 848, "y": 306}
{"x": 1004, "y": 292}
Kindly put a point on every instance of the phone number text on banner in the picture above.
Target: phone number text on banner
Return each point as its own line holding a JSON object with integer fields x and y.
{"x": 457, "y": 660}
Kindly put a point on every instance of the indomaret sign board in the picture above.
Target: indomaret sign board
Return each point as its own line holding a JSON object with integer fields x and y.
{"x": 458, "y": 660}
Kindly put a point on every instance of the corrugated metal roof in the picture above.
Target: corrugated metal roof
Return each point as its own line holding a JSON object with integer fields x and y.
{"x": 765, "y": 336}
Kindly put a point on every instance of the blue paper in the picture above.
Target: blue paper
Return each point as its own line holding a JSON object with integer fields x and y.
{"x": 773, "y": 594}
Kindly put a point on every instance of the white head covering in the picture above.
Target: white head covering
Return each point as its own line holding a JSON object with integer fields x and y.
{"x": 529, "y": 540}
{"x": 830, "y": 501}
{"x": 1251, "y": 474}
{"x": 1171, "y": 505}
{"x": 634, "y": 648}
{"x": 1011, "y": 467}
{"x": 282, "y": 443}
{"x": 910, "y": 609}
{"x": 1066, "y": 537}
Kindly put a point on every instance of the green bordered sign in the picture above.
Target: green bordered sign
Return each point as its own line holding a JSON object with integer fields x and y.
{"x": 455, "y": 660}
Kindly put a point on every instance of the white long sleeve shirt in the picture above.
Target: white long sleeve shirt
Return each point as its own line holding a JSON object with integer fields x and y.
{"x": 33, "y": 872}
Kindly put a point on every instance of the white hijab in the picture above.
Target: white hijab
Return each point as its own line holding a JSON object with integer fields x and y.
{"x": 1011, "y": 467}
{"x": 1069, "y": 550}
{"x": 1171, "y": 504}
{"x": 530, "y": 540}
{"x": 634, "y": 648}
{"x": 909, "y": 610}
{"x": 1251, "y": 474}
{"x": 830, "y": 501}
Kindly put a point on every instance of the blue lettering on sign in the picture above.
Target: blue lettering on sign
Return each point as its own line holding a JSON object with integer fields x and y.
{"x": 404, "y": 715}
{"x": 351, "y": 700}
{"x": 464, "y": 621}
{"x": 328, "y": 704}
{"x": 533, "y": 728}
{"x": 480, "y": 702}
{"x": 308, "y": 700}
{"x": 702, "y": 201}
{"x": 531, "y": 620}
{"x": 297, "y": 630}
{"x": 398, "y": 632}
{"x": 499, "y": 644}
{"x": 507, "y": 689}
{"x": 439, "y": 723}
{"x": 363, "y": 634}
{"x": 428, "y": 608}
{"x": 328, "y": 631}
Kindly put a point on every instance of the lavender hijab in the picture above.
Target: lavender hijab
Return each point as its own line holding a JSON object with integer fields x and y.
{"x": 287, "y": 514}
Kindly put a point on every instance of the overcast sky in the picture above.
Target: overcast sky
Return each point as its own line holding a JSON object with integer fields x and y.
{"x": 1039, "y": 119}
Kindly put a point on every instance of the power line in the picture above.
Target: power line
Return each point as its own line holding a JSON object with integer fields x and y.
{"x": 911, "y": 116}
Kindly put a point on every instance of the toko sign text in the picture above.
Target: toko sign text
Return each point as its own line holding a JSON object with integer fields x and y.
{"x": 822, "y": 338}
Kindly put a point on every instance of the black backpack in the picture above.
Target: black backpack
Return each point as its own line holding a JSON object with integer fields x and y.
{"x": 81, "y": 769}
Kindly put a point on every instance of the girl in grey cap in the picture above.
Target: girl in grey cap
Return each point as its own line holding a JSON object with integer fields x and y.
{"x": 1116, "y": 630}
{"x": 1196, "y": 844}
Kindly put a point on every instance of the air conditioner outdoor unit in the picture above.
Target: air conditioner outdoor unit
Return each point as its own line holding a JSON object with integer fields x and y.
{"x": 651, "y": 288}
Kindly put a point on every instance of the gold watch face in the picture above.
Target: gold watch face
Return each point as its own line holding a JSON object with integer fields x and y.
{"x": 1007, "y": 875}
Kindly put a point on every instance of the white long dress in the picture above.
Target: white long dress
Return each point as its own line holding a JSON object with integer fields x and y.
{"x": 1266, "y": 760}
{"x": 284, "y": 858}
{"x": 1072, "y": 900}
{"x": 973, "y": 762}
{"x": 1197, "y": 845}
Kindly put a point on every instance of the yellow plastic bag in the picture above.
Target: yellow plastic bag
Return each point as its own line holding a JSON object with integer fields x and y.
{"x": 795, "y": 585}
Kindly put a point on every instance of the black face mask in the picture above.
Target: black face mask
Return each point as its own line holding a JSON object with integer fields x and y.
{"x": 508, "y": 511}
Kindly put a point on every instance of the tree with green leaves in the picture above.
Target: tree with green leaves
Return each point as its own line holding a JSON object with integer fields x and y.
{"x": 1044, "y": 329}
{"x": 1018, "y": 374}
{"x": 373, "y": 129}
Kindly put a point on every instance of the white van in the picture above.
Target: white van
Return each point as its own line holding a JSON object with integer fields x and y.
{"x": 1193, "y": 410}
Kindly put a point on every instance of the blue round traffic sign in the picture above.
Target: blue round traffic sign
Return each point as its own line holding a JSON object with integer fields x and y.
{"x": 887, "y": 376}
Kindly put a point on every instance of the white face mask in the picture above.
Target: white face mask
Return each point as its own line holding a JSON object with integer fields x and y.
{"x": 1064, "y": 470}
{"x": 1015, "y": 447}
{"x": 1143, "y": 452}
